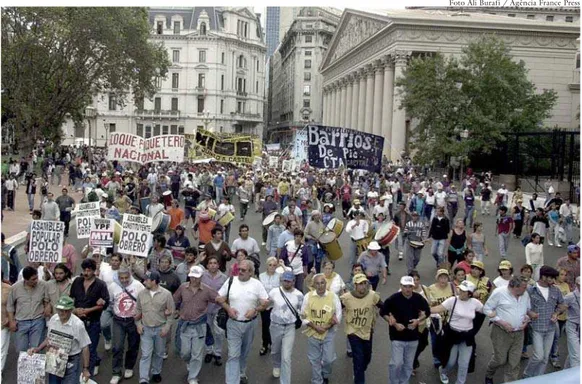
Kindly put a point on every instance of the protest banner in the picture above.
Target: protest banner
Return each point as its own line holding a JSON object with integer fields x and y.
{"x": 85, "y": 211}
{"x": 136, "y": 236}
{"x": 101, "y": 232}
{"x": 333, "y": 147}
{"x": 31, "y": 369}
{"x": 231, "y": 148}
{"x": 57, "y": 354}
{"x": 273, "y": 161}
{"x": 300, "y": 147}
{"x": 127, "y": 147}
{"x": 273, "y": 147}
{"x": 46, "y": 241}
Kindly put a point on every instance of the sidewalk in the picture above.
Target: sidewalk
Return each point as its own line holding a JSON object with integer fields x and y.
{"x": 15, "y": 222}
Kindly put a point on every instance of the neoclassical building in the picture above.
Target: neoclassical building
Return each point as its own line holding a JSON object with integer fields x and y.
{"x": 369, "y": 51}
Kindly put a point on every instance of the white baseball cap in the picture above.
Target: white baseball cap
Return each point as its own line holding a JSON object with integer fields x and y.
{"x": 196, "y": 271}
{"x": 406, "y": 280}
{"x": 467, "y": 286}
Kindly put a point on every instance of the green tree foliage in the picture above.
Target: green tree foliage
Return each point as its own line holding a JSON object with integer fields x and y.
{"x": 483, "y": 91}
{"x": 55, "y": 60}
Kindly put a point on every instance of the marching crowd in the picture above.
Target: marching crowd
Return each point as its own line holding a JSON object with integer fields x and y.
{"x": 213, "y": 291}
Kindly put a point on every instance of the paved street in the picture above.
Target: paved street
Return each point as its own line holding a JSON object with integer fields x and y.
{"x": 259, "y": 368}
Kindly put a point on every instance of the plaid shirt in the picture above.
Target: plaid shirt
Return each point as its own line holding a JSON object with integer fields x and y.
{"x": 545, "y": 309}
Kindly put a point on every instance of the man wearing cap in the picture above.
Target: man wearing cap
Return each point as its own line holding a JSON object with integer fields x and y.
{"x": 123, "y": 295}
{"x": 321, "y": 311}
{"x": 287, "y": 302}
{"x": 66, "y": 326}
{"x": 356, "y": 209}
{"x": 572, "y": 301}
{"x": 547, "y": 303}
{"x": 357, "y": 229}
{"x": 153, "y": 317}
{"x": 415, "y": 234}
{"x": 91, "y": 298}
{"x": 381, "y": 207}
{"x": 505, "y": 270}
{"x": 360, "y": 314}
{"x": 192, "y": 300}
{"x": 373, "y": 264}
{"x": 571, "y": 263}
{"x": 404, "y": 311}
{"x": 313, "y": 230}
{"x": 510, "y": 311}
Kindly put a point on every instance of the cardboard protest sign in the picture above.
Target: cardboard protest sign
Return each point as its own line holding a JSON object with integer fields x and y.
{"x": 101, "y": 232}
{"x": 273, "y": 161}
{"x": 85, "y": 211}
{"x": 31, "y": 369}
{"x": 334, "y": 147}
{"x": 57, "y": 354}
{"x": 46, "y": 241}
{"x": 300, "y": 147}
{"x": 127, "y": 147}
{"x": 136, "y": 236}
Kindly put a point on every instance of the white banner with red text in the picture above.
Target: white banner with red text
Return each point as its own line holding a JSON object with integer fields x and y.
{"x": 127, "y": 147}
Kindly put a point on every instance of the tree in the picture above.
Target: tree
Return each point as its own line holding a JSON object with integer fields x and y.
{"x": 55, "y": 60}
{"x": 484, "y": 92}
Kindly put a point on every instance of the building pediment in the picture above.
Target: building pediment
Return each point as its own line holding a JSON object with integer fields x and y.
{"x": 354, "y": 28}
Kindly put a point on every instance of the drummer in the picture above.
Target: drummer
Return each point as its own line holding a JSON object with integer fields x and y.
{"x": 154, "y": 207}
{"x": 206, "y": 203}
{"x": 313, "y": 230}
{"x": 355, "y": 209}
{"x": 381, "y": 220}
{"x": 358, "y": 229}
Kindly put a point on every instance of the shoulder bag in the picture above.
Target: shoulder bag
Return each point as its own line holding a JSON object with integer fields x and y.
{"x": 222, "y": 315}
{"x": 298, "y": 321}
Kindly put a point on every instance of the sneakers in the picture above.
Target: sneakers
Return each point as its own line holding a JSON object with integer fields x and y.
{"x": 559, "y": 245}
{"x": 208, "y": 358}
{"x": 244, "y": 380}
{"x": 96, "y": 370}
{"x": 128, "y": 374}
{"x": 264, "y": 243}
{"x": 276, "y": 373}
{"x": 192, "y": 381}
{"x": 165, "y": 355}
{"x": 157, "y": 378}
{"x": 400, "y": 255}
{"x": 443, "y": 376}
{"x": 218, "y": 361}
{"x": 556, "y": 364}
{"x": 115, "y": 380}
{"x": 108, "y": 345}
{"x": 550, "y": 244}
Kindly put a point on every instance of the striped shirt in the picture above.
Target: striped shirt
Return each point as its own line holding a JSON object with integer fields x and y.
{"x": 415, "y": 230}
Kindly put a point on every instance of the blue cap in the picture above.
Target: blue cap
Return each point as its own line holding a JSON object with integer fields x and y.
{"x": 573, "y": 248}
{"x": 153, "y": 275}
{"x": 288, "y": 276}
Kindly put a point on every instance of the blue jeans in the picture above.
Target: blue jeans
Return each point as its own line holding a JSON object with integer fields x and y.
{"x": 400, "y": 367}
{"x": 105, "y": 322}
{"x": 282, "y": 338}
{"x": 284, "y": 201}
{"x": 213, "y": 339}
{"x": 433, "y": 340}
{"x": 240, "y": 337}
{"x": 218, "y": 191}
{"x": 573, "y": 338}
{"x": 321, "y": 354}
{"x": 153, "y": 347}
{"x": 94, "y": 330}
{"x": 437, "y": 250}
{"x": 560, "y": 326}
{"x": 192, "y": 346}
{"x": 362, "y": 355}
{"x": 469, "y": 215}
{"x": 30, "y": 201}
{"x": 29, "y": 334}
{"x": 71, "y": 374}
{"x": 503, "y": 244}
{"x": 461, "y": 354}
{"x": 542, "y": 344}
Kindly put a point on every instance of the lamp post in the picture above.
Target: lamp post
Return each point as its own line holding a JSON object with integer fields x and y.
{"x": 106, "y": 126}
{"x": 464, "y": 136}
{"x": 206, "y": 119}
{"x": 90, "y": 113}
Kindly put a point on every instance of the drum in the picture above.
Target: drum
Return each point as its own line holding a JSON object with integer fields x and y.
{"x": 144, "y": 202}
{"x": 362, "y": 245}
{"x": 386, "y": 234}
{"x": 269, "y": 219}
{"x": 226, "y": 219}
{"x": 416, "y": 244}
{"x": 331, "y": 246}
{"x": 160, "y": 223}
{"x": 336, "y": 226}
{"x": 167, "y": 197}
{"x": 116, "y": 233}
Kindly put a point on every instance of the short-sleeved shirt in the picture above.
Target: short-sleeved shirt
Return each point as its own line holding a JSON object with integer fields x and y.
{"x": 281, "y": 313}
{"x": 404, "y": 310}
{"x": 27, "y": 303}
{"x": 194, "y": 304}
{"x": 372, "y": 265}
{"x": 462, "y": 317}
{"x": 244, "y": 295}
{"x": 74, "y": 327}
{"x": 360, "y": 313}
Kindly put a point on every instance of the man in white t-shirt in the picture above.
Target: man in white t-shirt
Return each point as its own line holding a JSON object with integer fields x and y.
{"x": 381, "y": 208}
{"x": 243, "y": 302}
{"x": 245, "y": 242}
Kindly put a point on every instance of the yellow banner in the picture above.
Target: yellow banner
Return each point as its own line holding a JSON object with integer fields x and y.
{"x": 227, "y": 147}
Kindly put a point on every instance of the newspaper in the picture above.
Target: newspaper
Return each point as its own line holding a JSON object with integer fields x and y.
{"x": 57, "y": 355}
{"x": 31, "y": 369}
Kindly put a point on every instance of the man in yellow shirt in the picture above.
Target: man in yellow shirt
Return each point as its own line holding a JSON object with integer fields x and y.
{"x": 359, "y": 306}
{"x": 283, "y": 190}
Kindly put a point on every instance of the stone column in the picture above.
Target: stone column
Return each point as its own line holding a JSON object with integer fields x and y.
{"x": 387, "y": 104}
{"x": 348, "y": 118}
{"x": 342, "y": 111}
{"x": 338, "y": 94}
{"x": 355, "y": 100}
{"x": 324, "y": 105}
{"x": 378, "y": 97}
{"x": 398, "y": 115}
{"x": 327, "y": 105}
{"x": 362, "y": 103}
{"x": 369, "y": 99}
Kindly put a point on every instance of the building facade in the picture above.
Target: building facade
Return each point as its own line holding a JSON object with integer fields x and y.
{"x": 216, "y": 79}
{"x": 295, "y": 95}
{"x": 563, "y": 14}
{"x": 369, "y": 51}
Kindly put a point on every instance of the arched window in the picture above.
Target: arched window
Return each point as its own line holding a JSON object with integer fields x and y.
{"x": 203, "y": 29}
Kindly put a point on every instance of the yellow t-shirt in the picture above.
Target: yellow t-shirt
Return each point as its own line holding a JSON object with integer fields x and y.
{"x": 360, "y": 313}
{"x": 481, "y": 293}
{"x": 319, "y": 311}
{"x": 283, "y": 188}
{"x": 565, "y": 289}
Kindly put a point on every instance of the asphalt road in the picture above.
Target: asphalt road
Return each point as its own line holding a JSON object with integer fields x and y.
{"x": 260, "y": 367}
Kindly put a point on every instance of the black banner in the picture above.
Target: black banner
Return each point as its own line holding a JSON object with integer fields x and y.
{"x": 334, "y": 147}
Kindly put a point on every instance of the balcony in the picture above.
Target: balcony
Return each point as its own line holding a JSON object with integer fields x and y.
{"x": 241, "y": 94}
{"x": 157, "y": 114}
{"x": 575, "y": 84}
{"x": 250, "y": 117}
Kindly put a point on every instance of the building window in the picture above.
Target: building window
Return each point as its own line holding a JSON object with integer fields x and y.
{"x": 305, "y": 117}
{"x": 160, "y": 27}
{"x": 307, "y": 64}
{"x": 112, "y": 127}
{"x": 258, "y": 66}
{"x": 202, "y": 56}
{"x": 577, "y": 61}
{"x": 549, "y": 18}
{"x": 242, "y": 62}
{"x": 308, "y": 26}
{"x": 307, "y": 90}
{"x": 240, "y": 107}
{"x": 221, "y": 106}
{"x": 148, "y": 131}
{"x": 173, "y": 129}
{"x": 531, "y": 17}
{"x": 201, "y": 80}
{"x": 257, "y": 87}
{"x": 175, "y": 80}
{"x": 176, "y": 27}
{"x": 307, "y": 53}
{"x": 158, "y": 104}
{"x": 306, "y": 103}
{"x": 203, "y": 29}
{"x": 139, "y": 130}
{"x": 181, "y": 130}
{"x": 157, "y": 130}
{"x": 569, "y": 19}
{"x": 139, "y": 104}
{"x": 307, "y": 76}
{"x": 222, "y": 82}
{"x": 308, "y": 39}
{"x": 200, "y": 106}
{"x": 165, "y": 130}
{"x": 511, "y": 15}
{"x": 222, "y": 56}
{"x": 112, "y": 102}
{"x": 176, "y": 55}
{"x": 174, "y": 103}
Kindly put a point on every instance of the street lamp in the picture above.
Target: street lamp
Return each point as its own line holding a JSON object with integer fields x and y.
{"x": 90, "y": 113}
{"x": 206, "y": 119}
{"x": 106, "y": 126}
{"x": 464, "y": 136}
